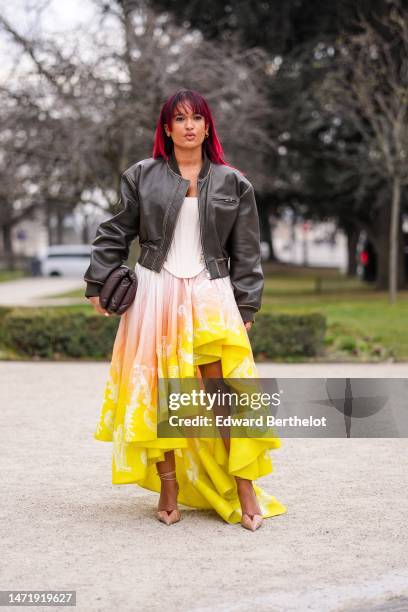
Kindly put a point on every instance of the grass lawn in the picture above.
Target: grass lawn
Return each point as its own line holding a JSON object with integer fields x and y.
{"x": 362, "y": 325}
{"x": 76, "y": 293}
{"x": 9, "y": 275}
{"x": 358, "y": 316}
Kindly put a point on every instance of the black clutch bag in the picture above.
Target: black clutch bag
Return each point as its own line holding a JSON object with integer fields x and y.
{"x": 119, "y": 290}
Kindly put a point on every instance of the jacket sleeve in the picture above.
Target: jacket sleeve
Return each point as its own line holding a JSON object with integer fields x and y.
{"x": 110, "y": 248}
{"x": 244, "y": 249}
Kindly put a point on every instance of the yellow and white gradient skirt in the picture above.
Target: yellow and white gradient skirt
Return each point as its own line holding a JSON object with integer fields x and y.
{"x": 173, "y": 326}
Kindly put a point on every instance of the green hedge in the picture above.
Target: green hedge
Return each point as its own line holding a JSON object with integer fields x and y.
{"x": 278, "y": 335}
{"x": 52, "y": 333}
{"x": 4, "y": 310}
{"x": 55, "y": 333}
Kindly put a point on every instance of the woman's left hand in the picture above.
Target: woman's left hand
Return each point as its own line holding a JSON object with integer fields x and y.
{"x": 248, "y": 325}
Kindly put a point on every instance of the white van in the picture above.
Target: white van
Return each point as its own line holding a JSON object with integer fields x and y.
{"x": 65, "y": 260}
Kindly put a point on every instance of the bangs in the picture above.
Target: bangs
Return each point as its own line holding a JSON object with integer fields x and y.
{"x": 187, "y": 100}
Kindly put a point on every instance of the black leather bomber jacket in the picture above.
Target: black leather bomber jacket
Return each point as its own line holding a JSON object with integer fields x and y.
{"x": 152, "y": 192}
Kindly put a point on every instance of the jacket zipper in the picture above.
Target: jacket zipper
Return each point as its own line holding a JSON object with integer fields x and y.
{"x": 165, "y": 225}
{"x": 201, "y": 235}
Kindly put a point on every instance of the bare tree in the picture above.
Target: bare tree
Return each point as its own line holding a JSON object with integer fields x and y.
{"x": 161, "y": 57}
{"x": 369, "y": 87}
{"x": 95, "y": 114}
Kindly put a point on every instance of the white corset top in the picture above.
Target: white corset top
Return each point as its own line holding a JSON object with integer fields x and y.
{"x": 185, "y": 256}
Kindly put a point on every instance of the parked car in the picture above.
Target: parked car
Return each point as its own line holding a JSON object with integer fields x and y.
{"x": 367, "y": 258}
{"x": 65, "y": 260}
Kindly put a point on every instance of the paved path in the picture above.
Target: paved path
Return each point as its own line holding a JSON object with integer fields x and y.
{"x": 334, "y": 370}
{"x": 32, "y": 291}
{"x": 341, "y": 546}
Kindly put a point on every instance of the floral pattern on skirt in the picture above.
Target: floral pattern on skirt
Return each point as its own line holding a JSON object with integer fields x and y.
{"x": 174, "y": 325}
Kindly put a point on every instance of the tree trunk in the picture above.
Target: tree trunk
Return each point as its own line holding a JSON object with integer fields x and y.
{"x": 402, "y": 275}
{"x": 272, "y": 255}
{"x": 352, "y": 234}
{"x": 8, "y": 246}
{"x": 85, "y": 231}
{"x": 48, "y": 222}
{"x": 265, "y": 227}
{"x": 60, "y": 226}
{"x": 382, "y": 246}
{"x": 395, "y": 218}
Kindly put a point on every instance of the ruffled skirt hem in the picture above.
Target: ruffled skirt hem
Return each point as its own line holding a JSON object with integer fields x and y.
{"x": 201, "y": 325}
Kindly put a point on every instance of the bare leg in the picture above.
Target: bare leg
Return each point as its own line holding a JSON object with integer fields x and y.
{"x": 168, "y": 493}
{"x": 214, "y": 371}
{"x": 246, "y": 493}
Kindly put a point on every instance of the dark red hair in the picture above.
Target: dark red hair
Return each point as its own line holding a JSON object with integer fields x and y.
{"x": 163, "y": 144}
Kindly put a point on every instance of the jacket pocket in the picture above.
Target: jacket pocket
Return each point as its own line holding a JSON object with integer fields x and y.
{"x": 224, "y": 199}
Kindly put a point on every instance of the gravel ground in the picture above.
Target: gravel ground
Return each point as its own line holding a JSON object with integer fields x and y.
{"x": 341, "y": 546}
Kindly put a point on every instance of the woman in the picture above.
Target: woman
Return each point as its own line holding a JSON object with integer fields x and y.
{"x": 193, "y": 214}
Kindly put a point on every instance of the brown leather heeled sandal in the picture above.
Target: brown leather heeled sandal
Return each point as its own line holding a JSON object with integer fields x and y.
{"x": 163, "y": 514}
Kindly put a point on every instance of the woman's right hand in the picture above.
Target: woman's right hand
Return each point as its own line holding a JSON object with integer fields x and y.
{"x": 97, "y": 305}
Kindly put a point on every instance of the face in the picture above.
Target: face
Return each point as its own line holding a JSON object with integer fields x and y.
{"x": 188, "y": 129}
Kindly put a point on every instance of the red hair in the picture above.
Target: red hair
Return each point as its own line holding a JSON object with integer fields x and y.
{"x": 163, "y": 144}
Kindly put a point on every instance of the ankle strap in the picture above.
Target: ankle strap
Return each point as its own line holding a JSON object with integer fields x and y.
{"x": 167, "y": 475}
